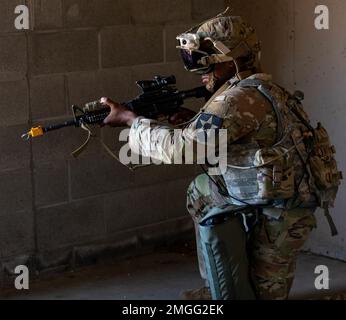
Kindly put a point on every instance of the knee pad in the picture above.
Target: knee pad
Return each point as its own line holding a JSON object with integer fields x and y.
{"x": 223, "y": 243}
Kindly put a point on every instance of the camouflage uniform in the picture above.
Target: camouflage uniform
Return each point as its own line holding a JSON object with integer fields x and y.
{"x": 278, "y": 236}
{"x": 267, "y": 249}
{"x": 272, "y": 245}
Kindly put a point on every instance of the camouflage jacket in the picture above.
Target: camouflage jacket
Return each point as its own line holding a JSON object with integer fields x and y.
{"x": 243, "y": 112}
{"x": 246, "y": 115}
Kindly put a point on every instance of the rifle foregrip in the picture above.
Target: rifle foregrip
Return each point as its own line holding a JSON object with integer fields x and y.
{"x": 58, "y": 126}
{"x": 96, "y": 116}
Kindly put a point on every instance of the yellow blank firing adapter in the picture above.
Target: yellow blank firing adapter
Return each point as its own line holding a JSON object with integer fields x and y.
{"x": 33, "y": 133}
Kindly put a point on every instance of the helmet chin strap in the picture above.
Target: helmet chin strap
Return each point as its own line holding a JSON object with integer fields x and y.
{"x": 213, "y": 79}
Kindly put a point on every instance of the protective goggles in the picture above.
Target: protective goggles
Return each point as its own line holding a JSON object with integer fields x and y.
{"x": 193, "y": 61}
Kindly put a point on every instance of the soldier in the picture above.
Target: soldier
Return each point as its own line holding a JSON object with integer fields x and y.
{"x": 252, "y": 220}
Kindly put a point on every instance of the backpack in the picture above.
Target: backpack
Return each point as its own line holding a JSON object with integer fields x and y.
{"x": 312, "y": 146}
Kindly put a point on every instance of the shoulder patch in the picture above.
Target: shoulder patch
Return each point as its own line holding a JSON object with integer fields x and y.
{"x": 209, "y": 121}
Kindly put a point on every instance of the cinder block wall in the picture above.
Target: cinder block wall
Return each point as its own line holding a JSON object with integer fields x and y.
{"x": 56, "y": 210}
{"x": 301, "y": 57}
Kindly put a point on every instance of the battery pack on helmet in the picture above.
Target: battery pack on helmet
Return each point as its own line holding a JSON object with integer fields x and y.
{"x": 221, "y": 47}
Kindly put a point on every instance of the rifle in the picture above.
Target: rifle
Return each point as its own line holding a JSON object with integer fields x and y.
{"x": 158, "y": 97}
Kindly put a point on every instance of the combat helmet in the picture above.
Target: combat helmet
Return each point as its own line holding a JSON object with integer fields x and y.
{"x": 220, "y": 39}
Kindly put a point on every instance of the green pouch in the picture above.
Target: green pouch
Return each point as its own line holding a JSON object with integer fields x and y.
{"x": 275, "y": 173}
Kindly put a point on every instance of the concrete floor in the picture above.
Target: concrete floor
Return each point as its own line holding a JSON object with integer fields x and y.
{"x": 161, "y": 276}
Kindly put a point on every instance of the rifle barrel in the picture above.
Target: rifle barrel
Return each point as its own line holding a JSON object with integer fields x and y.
{"x": 58, "y": 126}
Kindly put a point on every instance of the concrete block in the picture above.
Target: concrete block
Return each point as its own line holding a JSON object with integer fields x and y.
{"x": 47, "y": 96}
{"x": 13, "y": 53}
{"x": 51, "y": 183}
{"x": 7, "y": 15}
{"x": 89, "y": 86}
{"x": 171, "y": 231}
{"x": 160, "y": 11}
{"x": 176, "y": 198}
{"x": 14, "y": 103}
{"x": 164, "y": 173}
{"x": 172, "y": 31}
{"x": 16, "y": 233}
{"x": 131, "y": 45}
{"x": 144, "y": 206}
{"x": 117, "y": 83}
{"x": 69, "y": 224}
{"x": 83, "y": 87}
{"x": 81, "y": 13}
{"x": 98, "y": 174}
{"x": 63, "y": 51}
{"x": 205, "y": 9}
{"x": 46, "y": 14}
{"x": 110, "y": 136}
{"x": 16, "y": 191}
{"x": 15, "y": 153}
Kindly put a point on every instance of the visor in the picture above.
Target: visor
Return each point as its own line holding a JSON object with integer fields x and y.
{"x": 192, "y": 61}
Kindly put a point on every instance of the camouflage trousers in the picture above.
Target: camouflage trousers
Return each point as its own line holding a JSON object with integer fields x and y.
{"x": 272, "y": 244}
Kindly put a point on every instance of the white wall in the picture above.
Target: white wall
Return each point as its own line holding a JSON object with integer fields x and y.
{"x": 301, "y": 57}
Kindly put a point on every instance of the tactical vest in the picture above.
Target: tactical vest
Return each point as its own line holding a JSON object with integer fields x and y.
{"x": 299, "y": 170}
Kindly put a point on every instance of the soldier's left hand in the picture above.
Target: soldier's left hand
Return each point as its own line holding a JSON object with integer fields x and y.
{"x": 120, "y": 116}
